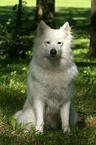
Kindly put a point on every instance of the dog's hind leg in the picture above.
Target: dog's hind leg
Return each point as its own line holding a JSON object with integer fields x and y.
{"x": 25, "y": 117}
{"x": 73, "y": 117}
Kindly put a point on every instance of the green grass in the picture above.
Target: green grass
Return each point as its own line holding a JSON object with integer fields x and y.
{"x": 73, "y": 3}
{"x": 59, "y": 3}
{"x": 13, "y": 2}
{"x": 13, "y": 82}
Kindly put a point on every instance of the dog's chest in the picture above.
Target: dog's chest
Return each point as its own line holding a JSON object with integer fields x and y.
{"x": 55, "y": 87}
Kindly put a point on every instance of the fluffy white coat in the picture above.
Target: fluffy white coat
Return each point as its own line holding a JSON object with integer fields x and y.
{"x": 50, "y": 81}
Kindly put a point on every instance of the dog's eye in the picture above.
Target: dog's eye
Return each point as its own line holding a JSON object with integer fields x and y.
{"x": 47, "y": 42}
{"x": 59, "y": 43}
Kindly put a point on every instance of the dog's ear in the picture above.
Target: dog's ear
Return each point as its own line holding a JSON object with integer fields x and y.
{"x": 41, "y": 28}
{"x": 66, "y": 28}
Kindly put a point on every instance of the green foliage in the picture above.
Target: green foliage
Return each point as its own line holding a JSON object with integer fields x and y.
{"x": 13, "y": 123}
{"x": 16, "y": 36}
{"x": 13, "y": 45}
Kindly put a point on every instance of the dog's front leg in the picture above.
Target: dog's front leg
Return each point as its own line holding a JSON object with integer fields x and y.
{"x": 39, "y": 113}
{"x": 65, "y": 110}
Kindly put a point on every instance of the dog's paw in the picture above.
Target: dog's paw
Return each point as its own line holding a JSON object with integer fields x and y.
{"x": 39, "y": 129}
{"x": 66, "y": 129}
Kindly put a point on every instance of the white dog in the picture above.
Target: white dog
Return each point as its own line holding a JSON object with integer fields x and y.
{"x": 50, "y": 81}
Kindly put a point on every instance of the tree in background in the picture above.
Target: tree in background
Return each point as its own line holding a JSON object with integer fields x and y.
{"x": 92, "y": 49}
{"x": 14, "y": 43}
{"x": 45, "y": 9}
{"x": 49, "y": 11}
{"x": 39, "y": 10}
{"x": 19, "y": 12}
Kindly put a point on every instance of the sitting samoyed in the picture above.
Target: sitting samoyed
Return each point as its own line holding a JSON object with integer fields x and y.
{"x": 50, "y": 81}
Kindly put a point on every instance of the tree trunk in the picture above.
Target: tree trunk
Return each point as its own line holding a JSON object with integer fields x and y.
{"x": 39, "y": 10}
{"x": 45, "y": 9}
{"x": 49, "y": 11}
{"x": 92, "y": 49}
{"x": 19, "y": 12}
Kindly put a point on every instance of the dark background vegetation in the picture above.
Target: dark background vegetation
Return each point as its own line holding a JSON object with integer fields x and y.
{"x": 18, "y": 25}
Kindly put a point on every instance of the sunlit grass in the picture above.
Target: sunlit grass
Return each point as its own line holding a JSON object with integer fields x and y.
{"x": 73, "y": 3}
{"x": 59, "y": 3}
{"x": 81, "y": 47}
{"x": 13, "y": 2}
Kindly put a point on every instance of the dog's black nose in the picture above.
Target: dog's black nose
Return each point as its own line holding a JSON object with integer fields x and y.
{"x": 53, "y": 52}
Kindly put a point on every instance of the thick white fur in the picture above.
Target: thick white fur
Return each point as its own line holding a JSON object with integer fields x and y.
{"x": 50, "y": 82}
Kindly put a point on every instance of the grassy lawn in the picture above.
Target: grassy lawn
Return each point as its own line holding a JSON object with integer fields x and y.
{"x": 13, "y": 81}
{"x": 13, "y": 2}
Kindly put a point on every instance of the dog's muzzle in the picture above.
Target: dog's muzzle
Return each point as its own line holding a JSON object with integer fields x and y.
{"x": 53, "y": 52}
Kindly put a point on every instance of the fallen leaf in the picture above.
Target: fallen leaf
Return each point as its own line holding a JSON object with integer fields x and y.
{"x": 13, "y": 131}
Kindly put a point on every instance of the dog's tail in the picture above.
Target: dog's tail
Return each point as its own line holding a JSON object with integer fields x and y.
{"x": 17, "y": 114}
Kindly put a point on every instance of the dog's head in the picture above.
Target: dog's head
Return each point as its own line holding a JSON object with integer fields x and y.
{"x": 52, "y": 42}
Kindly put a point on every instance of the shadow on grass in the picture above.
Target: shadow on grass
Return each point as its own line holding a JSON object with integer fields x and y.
{"x": 6, "y": 12}
{"x": 77, "y": 17}
{"x": 11, "y": 101}
{"x": 11, "y": 97}
{"x": 85, "y": 64}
